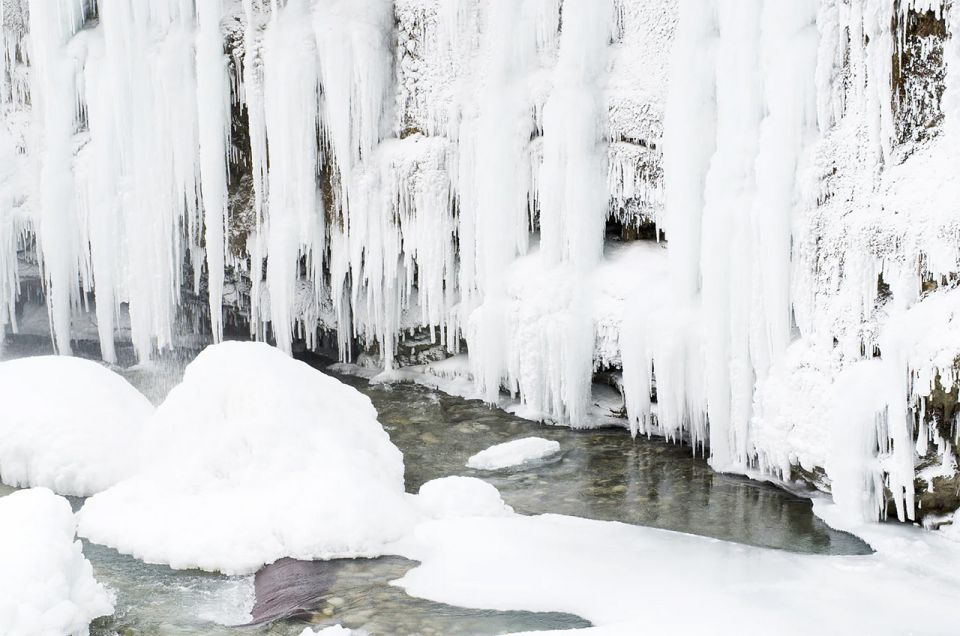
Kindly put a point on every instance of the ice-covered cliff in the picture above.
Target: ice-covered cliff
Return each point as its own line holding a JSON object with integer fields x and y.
{"x": 745, "y": 212}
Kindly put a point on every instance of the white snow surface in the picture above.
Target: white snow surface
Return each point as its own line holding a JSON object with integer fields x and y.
{"x": 67, "y": 424}
{"x": 513, "y": 453}
{"x": 625, "y": 579}
{"x": 254, "y": 457}
{"x": 46, "y": 585}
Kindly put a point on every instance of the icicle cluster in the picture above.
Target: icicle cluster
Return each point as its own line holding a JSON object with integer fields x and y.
{"x": 804, "y": 227}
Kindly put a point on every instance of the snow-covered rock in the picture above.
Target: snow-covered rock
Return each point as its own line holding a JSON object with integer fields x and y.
{"x": 460, "y": 497}
{"x": 67, "y": 424}
{"x": 255, "y": 457}
{"x": 46, "y": 585}
{"x": 513, "y": 453}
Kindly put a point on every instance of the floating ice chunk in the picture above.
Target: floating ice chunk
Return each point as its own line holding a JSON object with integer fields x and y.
{"x": 255, "y": 457}
{"x": 461, "y": 497}
{"x": 46, "y": 584}
{"x": 336, "y": 630}
{"x": 513, "y": 453}
{"x": 68, "y": 424}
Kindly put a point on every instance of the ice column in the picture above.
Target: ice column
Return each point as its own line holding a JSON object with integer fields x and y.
{"x": 573, "y": 194}
{"x": 494, "y": 191}
{"x": 668, "y": 338}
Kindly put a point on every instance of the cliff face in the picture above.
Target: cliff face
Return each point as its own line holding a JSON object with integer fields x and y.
{"x": 744, "y": 213}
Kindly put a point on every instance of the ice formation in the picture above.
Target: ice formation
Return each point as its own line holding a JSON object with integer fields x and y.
{"x": 385, "y": 169}
{"x": 272, "y": 459}
{"x": 513, "y": 453}
{"x": 46, "y": 584}
{"x": 68, "y": 424}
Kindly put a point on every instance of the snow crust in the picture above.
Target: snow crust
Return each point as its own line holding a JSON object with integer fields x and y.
{"x": 513, "y": 453}
{"x": 254, "y": 457}
{"x": 46, "y": 585}
{"x": 68, "y": 424}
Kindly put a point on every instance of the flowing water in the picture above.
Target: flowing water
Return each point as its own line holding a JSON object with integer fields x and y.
{"x": 600, "y": 474}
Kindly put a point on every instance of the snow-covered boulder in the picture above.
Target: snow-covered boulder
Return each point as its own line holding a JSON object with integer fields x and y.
{"x": 254, "y": 457}
{"x": 67, "y": 424}
{"x": 455, "y": 496}
{"x": 46, "y": 585}
{"x": 513, "y": 453}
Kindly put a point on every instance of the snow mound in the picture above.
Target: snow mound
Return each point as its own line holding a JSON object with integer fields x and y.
{"x": 254, "y": 457}
{"x": 513, "y": 453}
{"x": 450, "y": 497}
{"x": 68, "y": 424}
{"x": 46, "y": 584}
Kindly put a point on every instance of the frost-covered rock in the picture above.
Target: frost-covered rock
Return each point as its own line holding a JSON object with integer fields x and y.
{"x": 513, "y": 453}
{"x": 46, "y": 585}
{"x": 68, "y": 424}
{"x": 255, "y": 457}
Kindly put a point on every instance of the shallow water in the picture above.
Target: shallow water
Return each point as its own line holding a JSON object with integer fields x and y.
{"x": 600, "y": 474}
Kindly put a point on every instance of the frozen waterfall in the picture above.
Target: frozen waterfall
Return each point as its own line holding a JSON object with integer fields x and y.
{"x": 368, "y": 170}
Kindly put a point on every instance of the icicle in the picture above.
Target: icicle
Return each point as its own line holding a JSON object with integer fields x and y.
{"x": 99, "y": 197}
{"x": 213, "y": 116}
{"x": 253, "y": 94}
{"x": 52, "y": 23}
{"x": 290, "y": 110}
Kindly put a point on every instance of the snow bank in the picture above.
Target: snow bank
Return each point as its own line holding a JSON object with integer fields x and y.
{"x": 513, "y": 453}
{"x": 255, "y": 457}
{"x": 460, "y": 497}
{"x": 46, "y": 585}
{"x": 511, "y": 563}
{"x": 67, "y": 424}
